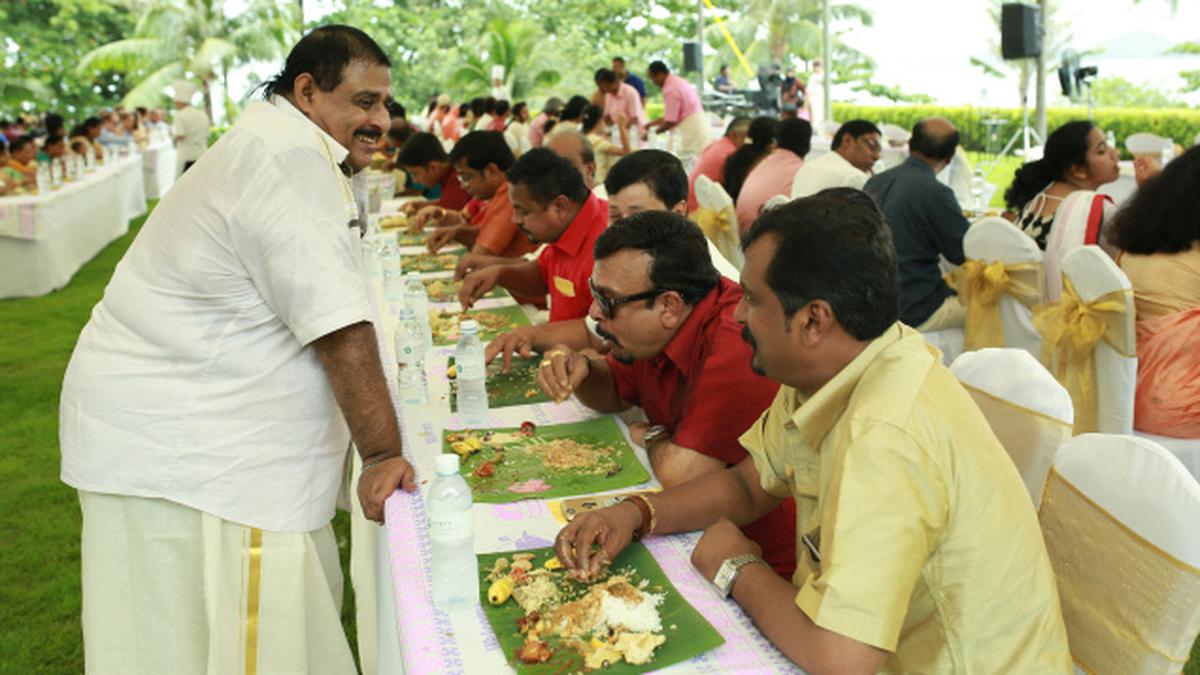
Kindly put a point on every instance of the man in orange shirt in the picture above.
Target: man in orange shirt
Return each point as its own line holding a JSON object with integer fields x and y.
{"x": 486, "y": 224}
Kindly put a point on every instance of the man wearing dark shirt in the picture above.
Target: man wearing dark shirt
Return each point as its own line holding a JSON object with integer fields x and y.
{"x": 926, "y": 222}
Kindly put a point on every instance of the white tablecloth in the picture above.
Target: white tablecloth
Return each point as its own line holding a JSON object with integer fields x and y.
{"x": 158, "y": 168}
{"x": 45, "y": 239}
{"x": 414, "y": 636}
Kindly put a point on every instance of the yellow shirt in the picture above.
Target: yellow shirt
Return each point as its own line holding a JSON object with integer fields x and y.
{"x": 928, "y": 545}
{"x": 1163, "y": 283}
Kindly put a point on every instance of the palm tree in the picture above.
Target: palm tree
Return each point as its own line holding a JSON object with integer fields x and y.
{"x": 193, "y": 39}
{"x": 514, "y": 45}
{"x": 787, "y": 28}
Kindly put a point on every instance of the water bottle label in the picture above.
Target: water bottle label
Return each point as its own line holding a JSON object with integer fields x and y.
{"x": 453, "y": 526}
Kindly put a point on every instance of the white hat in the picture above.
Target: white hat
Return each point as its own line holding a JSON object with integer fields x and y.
{"x": 497, "y": 72}
{"x": 184, "y": 91}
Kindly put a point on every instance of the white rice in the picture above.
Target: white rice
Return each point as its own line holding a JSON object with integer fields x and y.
{"x": 636, "y": 617}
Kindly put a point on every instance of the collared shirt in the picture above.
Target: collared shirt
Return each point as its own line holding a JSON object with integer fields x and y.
{"x": 711, "y": 163}
{"x": 927, "y": 544}
{"x": 453, "y": 194}
{"x": 195, "y": 380}
{"x": 193, "y": 125}
{"x": 770, "y": 177}
{"x": 537, "y": 130}
{"x": 926, "y": 222}
{"x": 498, "y": 233}
{"x": 680, "y": 100}
{"x": 637, "y": 83}
{"x": 627, "y": 103}
{"x": 566, "y": 265}
{"x": 827, "y": 171}
{"x": 702, "y": 389}
{"x": 1163, "y": 283}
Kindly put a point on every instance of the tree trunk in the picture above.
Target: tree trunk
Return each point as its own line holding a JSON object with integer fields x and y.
{"x": 207, "y": 90}
{"x": 1039, "y": 122}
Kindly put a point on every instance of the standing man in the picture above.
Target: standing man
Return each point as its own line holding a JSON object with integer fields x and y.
{"x": 856, "y": 147}
{"x": 927, "y": 223}
{"x": 681, "y": 110}
{"x": 618, "y": 67}
{"x": 918, "y": 548}
{"x": 622, "y": 104}
{"x": 211, "y": 399}
{"x": 191, "y": 127}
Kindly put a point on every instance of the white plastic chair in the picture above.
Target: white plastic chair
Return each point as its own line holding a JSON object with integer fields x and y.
{"x": 1026, "y": 408}
{"x": 1138, "y": 498}
{"x": 710, "y": 195}
{"x": 1145, "y": 143}
{"x": 1069, "y": 231}
{"x": 830, "y": 127}
{"x": 996, "y": 239}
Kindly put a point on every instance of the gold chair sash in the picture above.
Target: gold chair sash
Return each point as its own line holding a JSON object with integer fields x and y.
{"x": 1129, "y": 606}
{"x": 713, "y": 222}
{"x": 1071, "y": 329}
{"x": 980, "y": 286}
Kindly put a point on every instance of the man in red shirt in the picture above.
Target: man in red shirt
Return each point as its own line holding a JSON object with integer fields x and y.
{"x": 711, "y": 162}
{"x": 486, "y": 224}
{"x": 424, "y": 158}
{"x": 666, "y": 314}
{"x": 553, "y": 206}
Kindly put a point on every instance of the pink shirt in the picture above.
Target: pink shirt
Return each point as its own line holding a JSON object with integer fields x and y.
{"x": 537, "y": 130}
{"x": 680, "y": 100}
{"x": 711, "y": 163}
{"x": 773, "y": 176}
{"x": 625, "y": 102}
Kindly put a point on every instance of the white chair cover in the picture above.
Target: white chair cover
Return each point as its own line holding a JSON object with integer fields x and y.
{"x": 996, "y": 239}
{"x": 1136, "y": 617}
{"x": 1186, "y": 450}
{"x": 1145, "y": 143}
{"x": 831, "y": 127}
{"x": 957, "y": 176}
{"x": 948, "y": 340}
{"x": 1094, "y": 274}
{"x": 895, "y": 135}
{"x": 710, "y": 195}
{"x": 1029, "y": 411}
{"x": 1068, "y": 232}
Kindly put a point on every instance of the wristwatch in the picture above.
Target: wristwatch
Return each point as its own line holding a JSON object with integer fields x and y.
{"x": 729, "y": 570}
{"x": 653, "y": 433}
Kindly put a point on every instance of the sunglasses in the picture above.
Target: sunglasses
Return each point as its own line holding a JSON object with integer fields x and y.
{"x": 609, "y": 305}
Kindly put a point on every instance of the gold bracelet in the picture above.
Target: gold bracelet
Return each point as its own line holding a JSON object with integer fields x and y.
{"x": 649, "y": 517}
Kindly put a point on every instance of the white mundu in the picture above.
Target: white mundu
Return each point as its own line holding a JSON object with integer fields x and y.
{"x": 827, "y": 171}
{"x": 193, "y": 125}
{"x": 196, "y": 419}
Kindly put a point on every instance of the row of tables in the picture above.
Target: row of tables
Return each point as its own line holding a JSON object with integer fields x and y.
{"x": 412, "y": 635}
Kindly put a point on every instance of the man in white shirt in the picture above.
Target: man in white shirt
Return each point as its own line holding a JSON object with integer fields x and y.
{"x": 856, "y": 147}
{"x": 211, "y": 400}
{"x": 191, "y": 127}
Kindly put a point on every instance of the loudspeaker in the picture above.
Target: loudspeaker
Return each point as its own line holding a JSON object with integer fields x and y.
{"x": 1020, "y": 31}
{"x": 693, "y": 57}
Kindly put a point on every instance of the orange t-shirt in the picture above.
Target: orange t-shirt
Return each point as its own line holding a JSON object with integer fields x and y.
{"x": 497, "y": 231}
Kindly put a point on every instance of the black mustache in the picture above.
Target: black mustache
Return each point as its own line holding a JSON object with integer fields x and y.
{"x": 747, "y": 336}
{"x": 607, "y": 335}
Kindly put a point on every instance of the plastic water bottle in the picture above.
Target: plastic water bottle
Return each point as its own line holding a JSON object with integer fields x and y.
{"x": 416, "y": 298}
{"x": 43, "y": 179}
{"x": 977, "y": 182}
{"x": 1168, "y": 151}
{"x": 452, "y": 535}
{"x": 1111, "y": 139}
{"x": 472, "y": 376}
{"x": 56, "y": 174}
{"x": 410, "y": 359}
{"x": 393, "y": 287}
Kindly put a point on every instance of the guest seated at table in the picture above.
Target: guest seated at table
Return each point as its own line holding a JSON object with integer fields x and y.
{"x": 773, "y": 175}
{"x": 53, "y": 148}
{"x": 500, "y": 116}
{"x": 711, "y": 162}
{"x": 855, "y": 149}
{"x": 517, "y": 131}
{"x": 576, "y": 148}
{"x": 570, "y": 119}
{"x": 7, "y": 183}
{"x": 926, "y": 222}
{"x": 595, "y": 126}
{"x": 552, "y": 206}
{"x": 113, "y": 133}
{"x": 537, "y": 128}
{"x": 1077, "y": 157}
{"x": 1159, "y": 235}
{"x": 22, "y": 160}
{"x": 762, "y": 133}
{"x": 54, "y": 125}
{"x": 134, "y": 131}
{"x": 919, "y": 549}
{"x": 674, "y": 348}
{"x": 485, "y": 225}
{"x": 424, "y": 158}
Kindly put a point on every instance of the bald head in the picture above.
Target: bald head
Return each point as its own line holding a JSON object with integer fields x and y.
{"x": 934, "y": 139}
{"x": 576, "y": 148}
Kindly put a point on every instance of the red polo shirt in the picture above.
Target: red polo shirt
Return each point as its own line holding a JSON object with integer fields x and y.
{"x": 702, "y": 389}
{"x": 566, "y": 264}
{"x": 454, "y": 196}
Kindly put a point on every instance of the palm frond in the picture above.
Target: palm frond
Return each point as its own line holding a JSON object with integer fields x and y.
{"x": 213, "y": 52}
{"x": 151, "y": 91}
{"x": 125, "y": 56}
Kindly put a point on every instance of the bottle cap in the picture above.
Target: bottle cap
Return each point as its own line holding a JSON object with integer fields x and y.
{"x": 447, "y": 464}
{"x": 468, "y": 327}
{"x": 413, "y": 275}
{"x": 406, "y": 313}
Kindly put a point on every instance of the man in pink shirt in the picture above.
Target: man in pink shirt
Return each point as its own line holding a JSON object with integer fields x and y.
{"x": 774, "y": 174}
{"x": 537, "y": 128}
{"x": 622, "y": 105}
{"x": 712, "y": 161}
{"x": 681, "y": 110}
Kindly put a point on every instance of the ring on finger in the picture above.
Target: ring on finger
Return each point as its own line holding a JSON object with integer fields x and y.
{"x": 544, "y": 363}
{"x": 555, "y": 352}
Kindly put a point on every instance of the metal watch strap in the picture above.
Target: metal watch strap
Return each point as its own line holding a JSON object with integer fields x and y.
{"x": 731, "y": 569}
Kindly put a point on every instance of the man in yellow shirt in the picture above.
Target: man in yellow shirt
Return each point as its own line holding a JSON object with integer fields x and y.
{"x": 917, "y": 547}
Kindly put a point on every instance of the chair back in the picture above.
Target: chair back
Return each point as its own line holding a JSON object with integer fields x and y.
{"x": 1026, "y": 408}
{"x": 1119, "y": 519}
{"x": 1003, "y": 296}
{"x": 717, "y": 217}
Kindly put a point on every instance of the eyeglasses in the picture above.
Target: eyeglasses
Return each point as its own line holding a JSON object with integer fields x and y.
{"x": 609, "y": 305}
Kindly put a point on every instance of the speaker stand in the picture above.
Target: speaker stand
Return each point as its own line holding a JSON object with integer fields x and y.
{"x": 1024, "y": 133}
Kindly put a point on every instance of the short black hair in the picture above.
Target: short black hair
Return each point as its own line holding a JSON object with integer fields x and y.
{"x": 502, "y": 107}
{"x": 19, "y": 143}
{"x": 324, "y": 53}
{"x": 659, "y": 170}
{"x": 854, "y": 129}
{"x": 1161, "y": 215}
{"x": 51, "y": 140}
{"x": 54, "y": 123}
{"x": 396, "y": 110}
{"x": 619, "y": 59}
{"x": 605, "y": 76}
{"x": 546, "y": 176}
{"x": 573, "y": 110}
{"x": 676, "y": 245}
{"x": 479, "y": 106}
{"x": 400, "y": 133}
{"x": 518, "y": 107}
{"x": 659, "y": 67}
{"x": 421, "y": 149}
{"x": 833, "y": 246}
{"x": 932, "y": 146}
{"x": 795, "y": 134}
{"x": 591, "y": 117}
{"x": 480, "y": 148}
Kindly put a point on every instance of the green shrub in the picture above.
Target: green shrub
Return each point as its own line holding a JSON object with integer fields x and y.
{"x": 1179, "y": 124}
